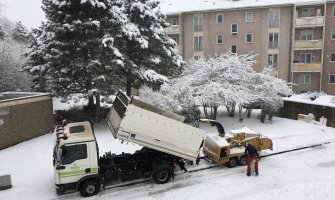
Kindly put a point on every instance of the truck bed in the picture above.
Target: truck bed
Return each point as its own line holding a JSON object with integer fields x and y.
{"x": 141, "y": 123}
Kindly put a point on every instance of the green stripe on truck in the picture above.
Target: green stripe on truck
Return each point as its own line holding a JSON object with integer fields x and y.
{"x": 76, "y": 172}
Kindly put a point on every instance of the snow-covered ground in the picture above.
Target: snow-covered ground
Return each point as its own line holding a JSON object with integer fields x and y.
{"x": 305, "y": 174}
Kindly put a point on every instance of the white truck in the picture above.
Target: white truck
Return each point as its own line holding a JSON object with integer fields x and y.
{"x": 166, "y": 140}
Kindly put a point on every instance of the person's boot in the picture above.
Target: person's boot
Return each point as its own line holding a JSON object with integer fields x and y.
{"x": 256, "y": 172}
{"x": 248, "y": 173}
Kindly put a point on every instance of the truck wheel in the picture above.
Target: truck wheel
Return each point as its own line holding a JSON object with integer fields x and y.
{"x": 242, "y": 161}
{"x": 60, "y": 190}
{"x": 232, "y": 162}
{"x": 162, "y": 174}
{"x": 89, "y": 188}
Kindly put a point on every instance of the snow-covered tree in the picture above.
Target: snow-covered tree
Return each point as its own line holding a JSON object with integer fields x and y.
{"x": 225, "y": 80}
{"x": 73, "y": 50}
{"x": 11, "y": 61}
{"x": 37, "y": 64}
{"x": 175, "y": 97}
{"x": 145, "y": 46}
{"x": 2, "y": 34}
{"x": 221, "y": 80}
{"x": 20, "y": 33}
{"x": 85, "y": 45}
{"x": 267, "y": 92}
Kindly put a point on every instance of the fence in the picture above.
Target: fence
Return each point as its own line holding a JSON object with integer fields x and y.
{"x": 291, "y": 110}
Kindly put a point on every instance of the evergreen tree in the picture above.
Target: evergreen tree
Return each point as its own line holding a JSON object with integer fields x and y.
{"x": 11, "y": 60}
{"x": 72, "y": 54}
{"x": 146, "y": 46}
{"x": 20, "y": 33}
{"x": 37, "y": 64}
{"x": 87, "y": 44}
{"x": 2, "y": 34}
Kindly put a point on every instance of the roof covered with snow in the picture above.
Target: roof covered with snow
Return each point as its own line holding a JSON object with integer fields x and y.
{"x": 323, "y": 100}
{"x": 11, "y": 96}
{"x": 178, "y": 6}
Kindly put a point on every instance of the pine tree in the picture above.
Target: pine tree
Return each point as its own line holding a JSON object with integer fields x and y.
{"x": 72, "y": 52}
{"x": 145, "y": 46}
{"x": 20, "y": 33}
{"x": 37, "y": 64}
{"x": 2, "y": 34}
{"x": 87, "y": 44}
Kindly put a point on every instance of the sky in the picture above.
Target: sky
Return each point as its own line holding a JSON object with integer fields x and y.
{"x": 29, "y": 12}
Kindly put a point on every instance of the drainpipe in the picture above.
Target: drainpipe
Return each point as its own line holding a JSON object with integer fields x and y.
{"x": 293, "y": 44}
{"x": 323, "y": 44}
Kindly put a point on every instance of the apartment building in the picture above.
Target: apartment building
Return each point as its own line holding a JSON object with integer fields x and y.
{"x": 296, "y": 38}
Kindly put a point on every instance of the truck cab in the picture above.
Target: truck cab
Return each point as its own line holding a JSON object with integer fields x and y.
{"x": 76, "y": 159}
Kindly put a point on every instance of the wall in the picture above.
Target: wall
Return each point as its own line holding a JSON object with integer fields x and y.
{"x": 259, "y": 29}
{"x": 27, "y": 119}
{"x": 291, "y": 110}
{"x": 329, "y": 46}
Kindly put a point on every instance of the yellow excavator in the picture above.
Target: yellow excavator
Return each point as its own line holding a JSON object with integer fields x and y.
{"x": 229, "y": 150}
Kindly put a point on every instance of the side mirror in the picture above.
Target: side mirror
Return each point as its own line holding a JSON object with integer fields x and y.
{"x": 60, "y": 167}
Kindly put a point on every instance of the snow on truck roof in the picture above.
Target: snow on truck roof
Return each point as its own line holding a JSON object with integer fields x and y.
{"x": 78, "y": 132}
{"x": 179, "y": 6}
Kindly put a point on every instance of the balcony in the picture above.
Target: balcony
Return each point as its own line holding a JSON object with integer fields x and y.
{"x": 174, "y": 29}
{"x": 179, "y": 48}
{"x": 308, "y": 44}
{"x": 306, "y": 67}
{"x": 309, "y": 21}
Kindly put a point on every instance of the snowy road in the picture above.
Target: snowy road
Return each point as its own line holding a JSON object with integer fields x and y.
{"x": 305, "y": 174}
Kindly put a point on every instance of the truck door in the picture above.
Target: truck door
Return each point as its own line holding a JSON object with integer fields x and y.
{"x": 75, "y": 162}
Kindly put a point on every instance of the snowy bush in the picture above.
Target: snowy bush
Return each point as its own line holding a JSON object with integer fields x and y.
{"x": 225, "y": 80}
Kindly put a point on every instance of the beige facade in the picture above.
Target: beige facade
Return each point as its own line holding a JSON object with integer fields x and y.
{"x": 24, "y": 117}
{"x": 296, "y": 40}
{"x": 328, "y": 69}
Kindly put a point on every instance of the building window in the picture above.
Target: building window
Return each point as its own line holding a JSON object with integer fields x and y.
{"x": 273, "y": 40}
{"x": 333, "y": 11}
{"x": 274, "y": 18}
{"x": 219, "y": 39}
{"x": 332, "y": 57}
{"x": 219, "y": 19}
{"x": 233, "y": 49}
{"x": 198, "y": 43}
{"x": 248, "y": 38}
{"x": 306, "y": 58}
{"x": 197, "y": 23}
{"x": 304, "y": 79}
{"x": 333, "y": 34}
{"x": 234, "y": 29}
{"x": 331, "y": 78}
{"x": 249, "y": 17}
{"x": 306, "y": 35}
{"x": 273, "y": 60}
